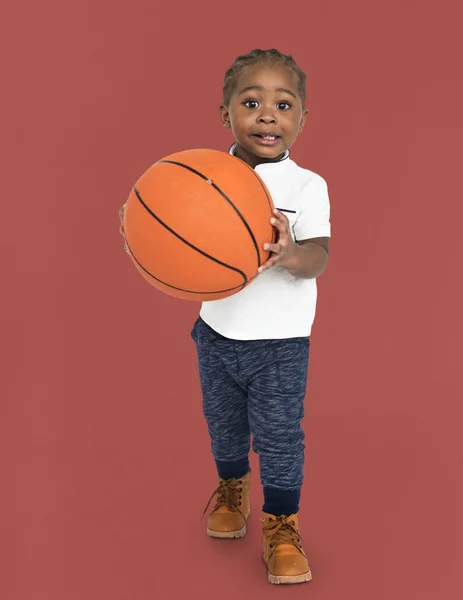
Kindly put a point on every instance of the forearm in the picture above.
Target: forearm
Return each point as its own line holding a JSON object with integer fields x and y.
{"x": 309, "y": 261}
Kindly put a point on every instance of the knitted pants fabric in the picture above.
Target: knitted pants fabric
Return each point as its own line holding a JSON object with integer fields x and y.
{"x": 255, "y": 388}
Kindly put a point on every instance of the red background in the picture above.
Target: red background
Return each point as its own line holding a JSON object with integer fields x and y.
{"x": 106, "y": 466}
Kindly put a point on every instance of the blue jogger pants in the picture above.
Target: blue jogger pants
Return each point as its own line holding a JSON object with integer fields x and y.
{"x": 255, "y": 388}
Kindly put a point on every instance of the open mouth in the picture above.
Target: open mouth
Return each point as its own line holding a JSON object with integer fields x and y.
{"x": 267, "y": 138}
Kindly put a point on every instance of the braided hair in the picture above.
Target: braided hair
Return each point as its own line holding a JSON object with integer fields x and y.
{"x": 258, "y": 56}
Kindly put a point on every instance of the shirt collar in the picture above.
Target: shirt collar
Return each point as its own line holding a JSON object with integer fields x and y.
{"x": 284, "y": 157}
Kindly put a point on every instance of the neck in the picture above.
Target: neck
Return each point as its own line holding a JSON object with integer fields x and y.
{"x": 251, "y": 159}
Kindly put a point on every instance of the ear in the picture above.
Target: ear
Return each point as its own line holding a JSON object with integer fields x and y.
{"x": 305, "y": 113}
{"x": 225, "y": 116}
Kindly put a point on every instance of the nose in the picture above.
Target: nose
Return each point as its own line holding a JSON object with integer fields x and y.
{"x": 266, "y": 116}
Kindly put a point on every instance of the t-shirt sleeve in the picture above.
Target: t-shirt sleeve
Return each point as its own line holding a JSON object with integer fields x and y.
{"x": 314, "y": 218}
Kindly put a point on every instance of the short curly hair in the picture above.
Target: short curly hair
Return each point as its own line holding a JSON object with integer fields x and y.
{"x": 256, "y": 56}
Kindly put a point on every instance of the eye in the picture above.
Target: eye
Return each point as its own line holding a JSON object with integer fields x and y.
{"x": 249, "y": 102}
{"x": 283, "y": 105}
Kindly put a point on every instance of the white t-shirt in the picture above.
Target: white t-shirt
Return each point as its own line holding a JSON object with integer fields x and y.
{"x": 277, "y": 305}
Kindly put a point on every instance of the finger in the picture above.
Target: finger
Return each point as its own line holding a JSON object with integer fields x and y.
{"x": 281, "y": 225}
{"x": 270, "y": 263}
{"x": 275, "y": 248}
{"x": 273, "y": 260}
{"x": 280, "y": 216}
{"x": 121, "y": 212}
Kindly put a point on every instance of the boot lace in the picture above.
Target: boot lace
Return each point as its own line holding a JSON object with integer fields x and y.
{"x": 282, "y": 530}
{"x": 228, "y": 494}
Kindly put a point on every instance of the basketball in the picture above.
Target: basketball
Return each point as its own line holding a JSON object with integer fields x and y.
{"x": 195, "y": 223}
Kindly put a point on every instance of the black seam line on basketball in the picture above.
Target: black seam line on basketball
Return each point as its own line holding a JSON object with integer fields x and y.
{"x": 269, "y": 198}
{"x": 241, "y": 286}
{"x": 243, "y": 275}
{"x": 270, "y": 201}
{"x": 224, "y": 195}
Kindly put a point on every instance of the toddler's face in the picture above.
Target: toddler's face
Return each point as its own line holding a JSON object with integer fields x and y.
{"x": 265, "y": 113}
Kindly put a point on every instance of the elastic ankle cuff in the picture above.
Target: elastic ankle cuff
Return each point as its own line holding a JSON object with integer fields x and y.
{"x": 281, "y": 502}
{"x": 233, "y": 468}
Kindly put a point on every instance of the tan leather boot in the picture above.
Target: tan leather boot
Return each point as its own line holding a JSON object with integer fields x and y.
{"x": 231, "y": 511}
{"x": 283, "y": 552}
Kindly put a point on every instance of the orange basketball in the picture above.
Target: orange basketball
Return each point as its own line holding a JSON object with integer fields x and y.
{"x": 195, "y": 224}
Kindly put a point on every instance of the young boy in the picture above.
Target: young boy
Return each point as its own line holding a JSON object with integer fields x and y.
{"x": 253, "y": 347}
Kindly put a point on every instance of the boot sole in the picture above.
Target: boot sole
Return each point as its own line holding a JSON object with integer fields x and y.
{"x": 227, "y": 534}
{"x": 285, "y": 579}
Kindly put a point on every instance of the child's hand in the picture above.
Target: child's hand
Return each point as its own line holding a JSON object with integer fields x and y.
{"x": 121, "y": 217}
{"x": 284, "y": 250}
{"x": 121, "y": 228}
